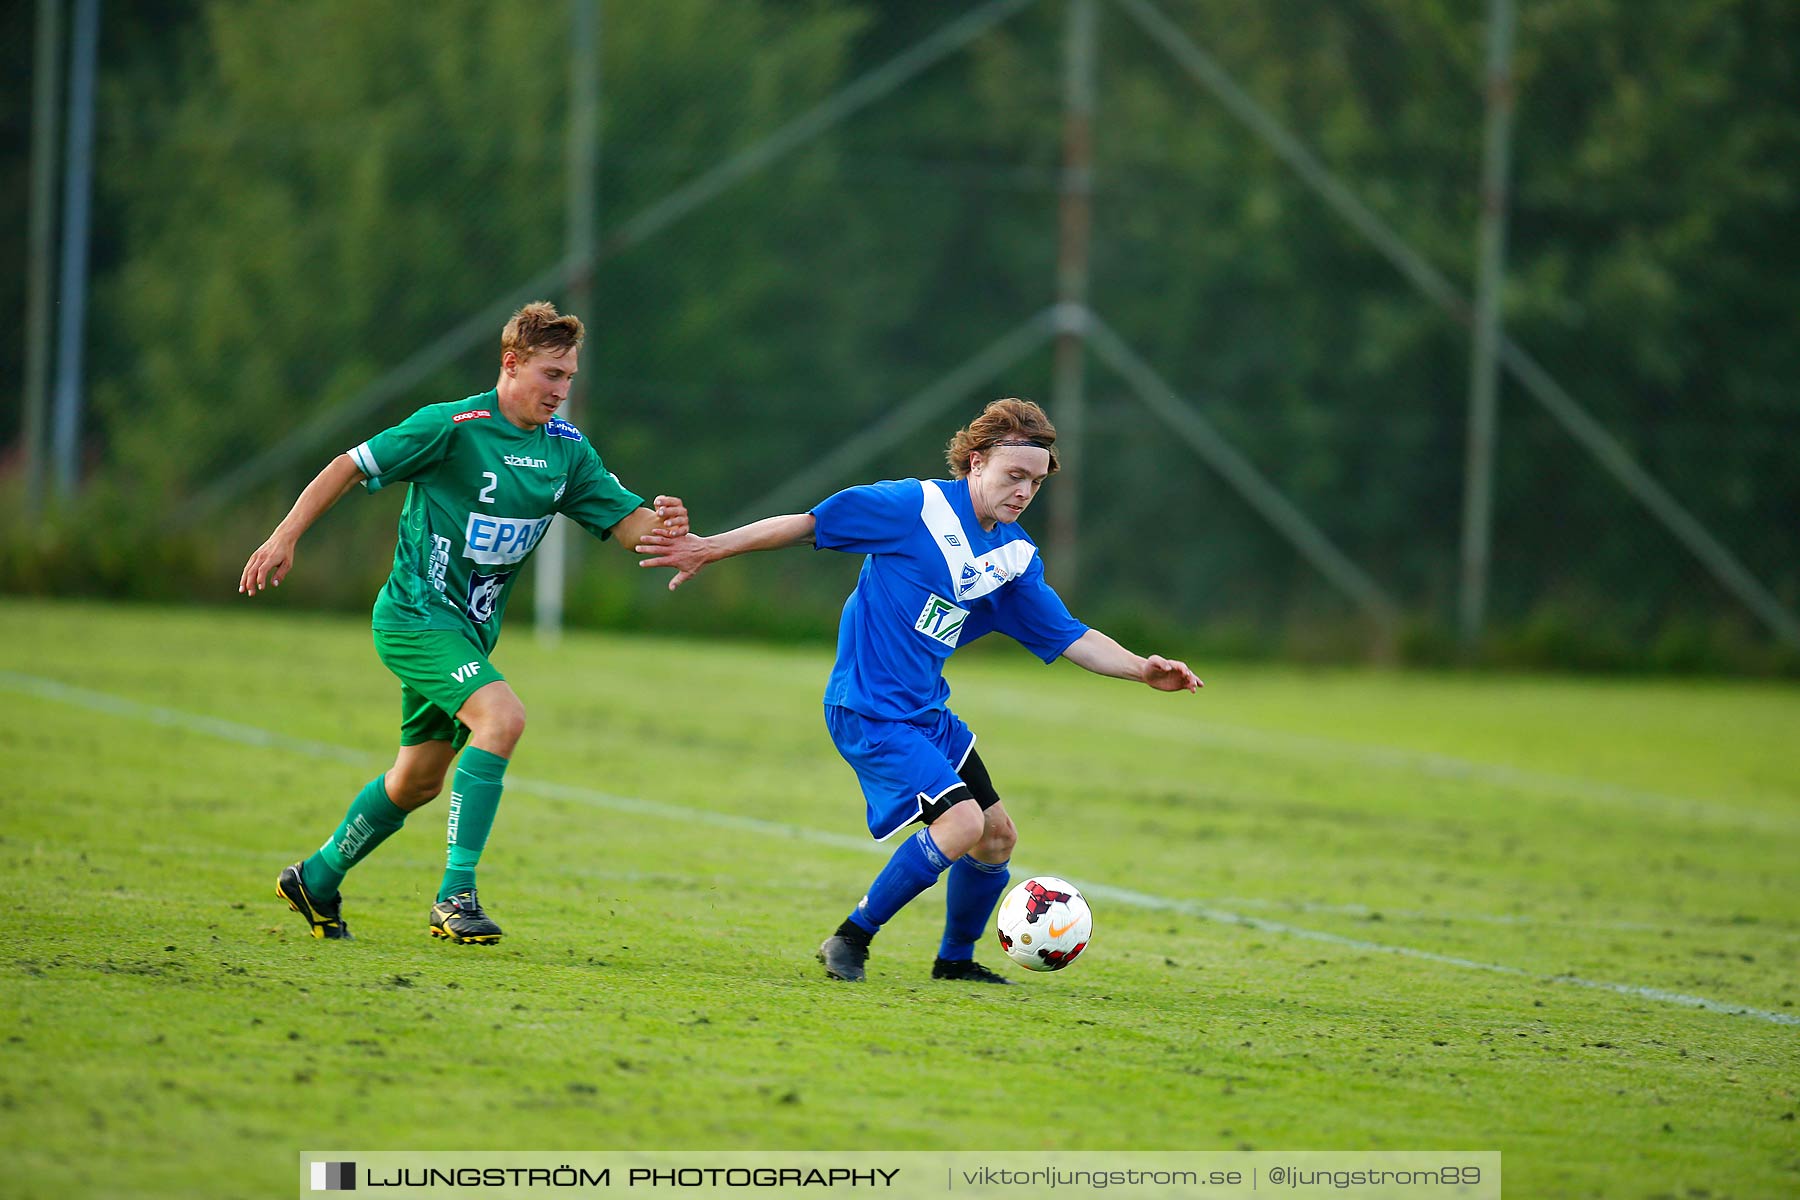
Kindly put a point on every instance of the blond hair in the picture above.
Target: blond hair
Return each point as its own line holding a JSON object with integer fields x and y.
{"x": 538, "y": 326}
{"x": 1010, "y": 420}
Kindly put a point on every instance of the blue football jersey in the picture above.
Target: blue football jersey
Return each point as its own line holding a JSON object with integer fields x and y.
{"x": 933, "y": 580}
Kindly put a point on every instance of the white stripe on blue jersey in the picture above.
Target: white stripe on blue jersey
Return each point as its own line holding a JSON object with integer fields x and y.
{"x": 932, "y": 580}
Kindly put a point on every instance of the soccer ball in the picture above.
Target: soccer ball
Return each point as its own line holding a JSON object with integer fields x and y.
{"x": 1044, "y": 924}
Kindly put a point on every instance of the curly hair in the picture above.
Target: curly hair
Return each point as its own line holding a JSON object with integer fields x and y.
{"x": 538, "y": 326}
{"x": 1007, "y": 420}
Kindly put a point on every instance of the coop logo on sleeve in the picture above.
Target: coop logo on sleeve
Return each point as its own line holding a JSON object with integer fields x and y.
{"x": 334, "y": 1177}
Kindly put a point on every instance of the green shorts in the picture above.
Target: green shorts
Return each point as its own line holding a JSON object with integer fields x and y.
{"x": 439, "y": 670}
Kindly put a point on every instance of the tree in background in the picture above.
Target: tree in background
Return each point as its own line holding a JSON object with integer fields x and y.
{"x": 293, "y": 198}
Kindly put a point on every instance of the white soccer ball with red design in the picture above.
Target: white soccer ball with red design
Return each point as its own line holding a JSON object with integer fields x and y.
{"x": 1044, "y": 923}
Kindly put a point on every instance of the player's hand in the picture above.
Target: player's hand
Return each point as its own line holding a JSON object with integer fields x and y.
{"x": 684, "y": 554}
{"x": 269, "y": 565}
{"x": 673, "y": 514}
{"x": 1169, "y": 675}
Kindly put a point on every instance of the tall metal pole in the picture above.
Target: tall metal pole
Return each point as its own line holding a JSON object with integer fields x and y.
{"x": 78, "y": 168}
{"x": 583, "y": 154}
{"x": 1068, "y": 401}
{"x": 1526, "y": 371}
{"x": 46, "y": 111}
{"x": 1484, "y": 366}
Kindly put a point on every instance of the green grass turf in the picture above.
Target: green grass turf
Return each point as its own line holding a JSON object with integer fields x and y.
{"x": 678, "y": 835}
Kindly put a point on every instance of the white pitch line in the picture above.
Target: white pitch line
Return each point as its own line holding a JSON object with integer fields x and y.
{"x": 1197, "y": 909}
{"x": 250, "y": 735}
{"x": 1281, "y": 744}
{"x": 1522, "y": 920}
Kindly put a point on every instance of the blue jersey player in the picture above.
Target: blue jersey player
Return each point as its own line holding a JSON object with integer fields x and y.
{"x": 946, "y": 563}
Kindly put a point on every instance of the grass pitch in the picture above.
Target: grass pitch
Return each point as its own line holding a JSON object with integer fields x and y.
{"x": 1334, "y": 910}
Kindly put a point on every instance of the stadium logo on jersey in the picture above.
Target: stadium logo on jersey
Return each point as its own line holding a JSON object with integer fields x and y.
{"x": 513, "y": 460}
{"x": 562, "y": 429}
{"x": 941, "y": 621}
{"x": 474, "y": 414}
{"x": 484, "y": 594}
{"x": 502, "y": 541}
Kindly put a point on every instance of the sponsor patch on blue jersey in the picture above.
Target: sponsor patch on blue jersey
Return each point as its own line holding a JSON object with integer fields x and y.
{"x": 562, "y": 429}
{"x": 941, "y": 621}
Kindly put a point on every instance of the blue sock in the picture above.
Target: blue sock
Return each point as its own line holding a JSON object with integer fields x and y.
{"x": 915, "y": 866}
{"x": 972, "y": 891}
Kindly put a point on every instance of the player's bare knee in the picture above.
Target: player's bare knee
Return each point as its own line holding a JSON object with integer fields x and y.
{"x": 497, "y": 726}
{"x": 508, "y": 725}
{"x": 959, "y": 830}
{"x": 413, "y": 791}
{"x": 998, "y": 840}
{"x": 421, "y": 794}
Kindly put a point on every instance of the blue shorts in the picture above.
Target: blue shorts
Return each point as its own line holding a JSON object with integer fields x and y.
{"x": 904, "y": 766}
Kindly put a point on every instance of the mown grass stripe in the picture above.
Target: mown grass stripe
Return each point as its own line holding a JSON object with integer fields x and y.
{"x": 1282, "y": 744}
{"x": 250, "y": 735}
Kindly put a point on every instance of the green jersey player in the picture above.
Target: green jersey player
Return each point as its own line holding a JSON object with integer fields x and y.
{"x": 485, "y": 478}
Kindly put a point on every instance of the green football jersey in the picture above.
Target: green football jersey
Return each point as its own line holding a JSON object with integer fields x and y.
{"x": 482, "y": 492}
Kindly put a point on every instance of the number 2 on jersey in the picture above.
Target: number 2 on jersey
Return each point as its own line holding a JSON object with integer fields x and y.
{"x": 486, "y": 495}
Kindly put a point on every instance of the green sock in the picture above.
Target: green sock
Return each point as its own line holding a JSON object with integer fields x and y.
{"x": 372, "y": 817}
{"x": 474, "y": 799}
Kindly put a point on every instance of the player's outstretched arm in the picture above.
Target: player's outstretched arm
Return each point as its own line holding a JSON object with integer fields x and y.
{"x": 275, "y": 557}
{"x": 669, "y": 516}
{"x": 687, "y": 553}
{"x": 1094, "y": 651}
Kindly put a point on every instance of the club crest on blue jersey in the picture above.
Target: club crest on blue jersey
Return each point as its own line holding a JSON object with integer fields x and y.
{"x": 971, "y": 575}
{"x": 562, "y": 429}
